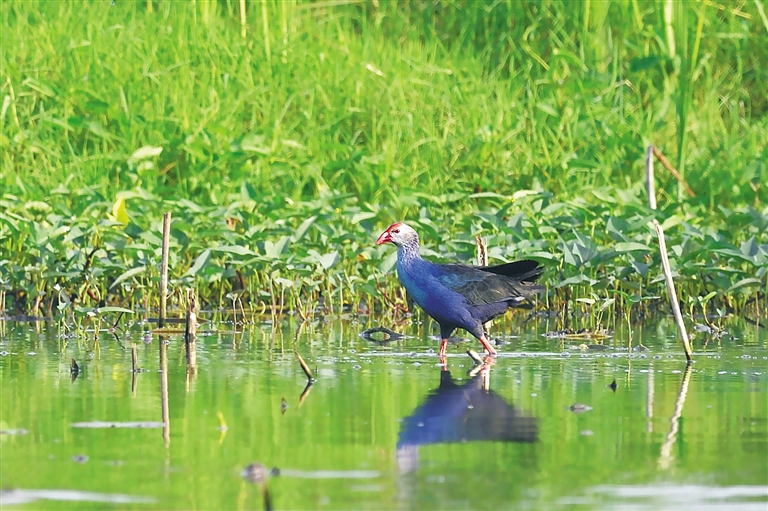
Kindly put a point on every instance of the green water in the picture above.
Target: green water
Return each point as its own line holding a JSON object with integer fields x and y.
{"x": 361, "y": 438}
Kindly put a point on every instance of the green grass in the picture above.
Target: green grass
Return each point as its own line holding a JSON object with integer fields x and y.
{"x": 362, "y": 115}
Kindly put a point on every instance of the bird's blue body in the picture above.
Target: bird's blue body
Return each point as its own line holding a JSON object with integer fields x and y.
{"x": 422, "y": 281}
{"x": 459, "y": 295}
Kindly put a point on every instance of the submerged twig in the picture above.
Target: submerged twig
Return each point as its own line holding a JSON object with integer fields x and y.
{"x": 391, "y": 335}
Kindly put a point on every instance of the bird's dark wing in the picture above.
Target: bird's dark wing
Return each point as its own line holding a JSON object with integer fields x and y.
{"x": 511, "y": 282}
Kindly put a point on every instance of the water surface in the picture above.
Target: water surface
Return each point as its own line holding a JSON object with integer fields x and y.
{"x": 385, "y": 426}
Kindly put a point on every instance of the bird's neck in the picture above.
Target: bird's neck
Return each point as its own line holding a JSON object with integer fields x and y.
{"x": 406, "y": 253}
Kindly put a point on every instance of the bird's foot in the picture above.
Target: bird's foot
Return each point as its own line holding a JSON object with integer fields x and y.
{"x": 487, "y": 346}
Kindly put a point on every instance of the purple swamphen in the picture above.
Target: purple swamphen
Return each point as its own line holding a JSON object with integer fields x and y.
{"x": 459, "y": 295}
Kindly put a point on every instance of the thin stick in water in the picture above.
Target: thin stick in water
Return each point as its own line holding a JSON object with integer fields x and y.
{"x": 164, "y": 268}
{"x": 671, "y": 291}
{"x": 190, "y": 330}
{"x": 134, "y": 365}
{"x": 305, "y": 367}
{"x": 663, "y": 249}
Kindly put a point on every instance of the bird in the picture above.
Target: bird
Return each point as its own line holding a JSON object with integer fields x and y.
{"x": 460, "y": 295}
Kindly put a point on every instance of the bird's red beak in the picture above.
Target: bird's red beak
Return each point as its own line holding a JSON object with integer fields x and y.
{"x": 385, "y": 237}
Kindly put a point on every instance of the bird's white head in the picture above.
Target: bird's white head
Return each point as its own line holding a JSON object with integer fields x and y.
{"x": 400, "y": 234}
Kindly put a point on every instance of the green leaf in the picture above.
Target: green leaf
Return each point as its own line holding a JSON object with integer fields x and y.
{"x": 630, "y": 246}
{"x": 199, "y": 263}
{"x": 743, "y": 283}
{"x": 103, "y": 310}
{"x": 275, "y": 250}
{"x": 547, "y": 109}
{"x": 128, "y": 274}
{"x": 144, "y": 153}
{"x": 234, "y": 249}
{"x": 578, "y": 279}
{"x": 304, "y": 227}
{"x": 363, "y": 215}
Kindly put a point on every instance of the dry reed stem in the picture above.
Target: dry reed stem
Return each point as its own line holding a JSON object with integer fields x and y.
{"x": 671, "y": 291}
{"x": 650, "y": 183}
{"x": 305, "y": 368}
{"x": 663, "y": 247}
{"x": 164, "y": 268}
{"x": 191, "y": 321}
{"x": 482, "y": 260}
{"x": 242, "y": 18}
{"x": 672, "y": 171}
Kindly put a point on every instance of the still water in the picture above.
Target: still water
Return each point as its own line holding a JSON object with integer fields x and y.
{"x": 386, "y": 426}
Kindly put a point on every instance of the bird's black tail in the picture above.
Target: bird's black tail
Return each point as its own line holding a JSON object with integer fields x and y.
{"x": 523, "y": 271}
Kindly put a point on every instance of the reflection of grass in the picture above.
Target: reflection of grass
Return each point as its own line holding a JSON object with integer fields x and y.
{"x": 279, "y": 170}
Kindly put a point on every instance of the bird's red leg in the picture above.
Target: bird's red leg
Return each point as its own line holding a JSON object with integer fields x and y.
{"x": 487, "y": 346}
{"x": 443, "y": 346}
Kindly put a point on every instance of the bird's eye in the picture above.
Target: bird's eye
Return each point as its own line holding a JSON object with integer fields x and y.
{"x": 396, "y": 231}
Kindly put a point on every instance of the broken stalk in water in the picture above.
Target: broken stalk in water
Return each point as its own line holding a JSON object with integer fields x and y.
{"x": 164, "y": 268}
{"x": 663, "y": 252}
{"x": 305, "y": 368}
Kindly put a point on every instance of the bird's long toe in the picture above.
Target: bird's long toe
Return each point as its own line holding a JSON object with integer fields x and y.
{"x": 487, "y": 346}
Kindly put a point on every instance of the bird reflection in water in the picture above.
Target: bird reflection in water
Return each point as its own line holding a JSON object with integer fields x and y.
{"x": 466, "y": 412}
